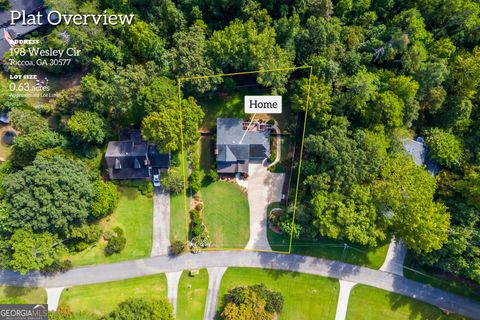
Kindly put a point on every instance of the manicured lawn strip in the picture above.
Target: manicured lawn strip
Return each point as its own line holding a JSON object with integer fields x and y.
{"x": 192, "y": 295}
{"x": 305, "y": 296}
{"x": 375, "y": 304}
{"x": 226, "y": 214}
{"x": 423, "y": 275}
{"x": 134, "y": 215}
{"x": 22, "y": 295}
{"x": 331, "y": 249}
{"x": 101, "y": 298}
{"x": 178, "y": 228}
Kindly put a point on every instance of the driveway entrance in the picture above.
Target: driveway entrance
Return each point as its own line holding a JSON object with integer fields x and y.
{"x": 264, "y": 187}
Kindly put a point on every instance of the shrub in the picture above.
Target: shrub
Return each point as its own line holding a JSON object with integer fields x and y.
{"x": 252, "y": 302}
{"x": 177, "y": 248}
{"x": 118, "y": 231}
{"x": 172, "y": 181}
{"x": 115, "y": 245}
{"x": 199, "y": 206}
{"x": 213, "y": 175}
{"x": 108, "y": 235}
{"x": 271, "y": 122}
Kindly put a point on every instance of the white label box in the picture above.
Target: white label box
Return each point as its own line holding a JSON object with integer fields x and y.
{"x": 263, "y": 104}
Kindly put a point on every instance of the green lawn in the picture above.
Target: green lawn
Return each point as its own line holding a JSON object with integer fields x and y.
{"x": 226, "y": 214}
{"x": 102, "y": 298}
{"x": 22, "y": 295}
{"x": 375, "y": 304}
{"x": 471, "y": 291}
{"x": 178, "y": 228}
{"x": 134, "y": 215}
{"x": 306, "y": 296}
{"x": 215, "y": 107}
{"x": 192, "y": 295}
{"x": 329, "y": 249}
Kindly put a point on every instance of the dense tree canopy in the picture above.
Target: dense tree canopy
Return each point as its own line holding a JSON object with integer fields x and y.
{"x": 383, "y": 71}
{"x": 50, "y": 195}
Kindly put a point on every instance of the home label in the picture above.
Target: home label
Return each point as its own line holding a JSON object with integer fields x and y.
{"x": 263, "y": 104}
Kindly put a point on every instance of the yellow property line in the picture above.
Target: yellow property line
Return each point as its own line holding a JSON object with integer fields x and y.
{"x": 300, "y": 160}
{"x": 179, "y": 80}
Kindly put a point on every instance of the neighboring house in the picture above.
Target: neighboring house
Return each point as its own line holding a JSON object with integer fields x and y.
{"x": 418, "y": 151}
{"x": 8, "y": 33}
{"x": 240, "y": 142}
{"x": 134, "y": 158}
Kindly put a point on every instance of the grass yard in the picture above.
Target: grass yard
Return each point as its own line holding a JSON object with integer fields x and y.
{"x": 375, "y": 304}
{"x": 22, "y": 295}
{"x": 102, "y": 298}
{"x": 305, "y": 296}
{"x": 192, "y": 295}
{"x": 215, "y": 107}
{"x": 331, "y": 249}
{"x": 134, "y": 215}
{"x": 226, "y": 214}
{"x": 178, "y": 228}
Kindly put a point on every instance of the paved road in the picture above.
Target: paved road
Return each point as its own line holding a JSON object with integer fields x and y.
{"x": 161, "y": 222}
{"x": 266, "y": 260}
{"x": 264, "y": 187}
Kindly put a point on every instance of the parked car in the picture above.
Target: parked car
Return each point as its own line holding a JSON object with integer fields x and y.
{"x": 156, "y": 179}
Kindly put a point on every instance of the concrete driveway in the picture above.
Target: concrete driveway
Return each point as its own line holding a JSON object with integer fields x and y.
{"x": 264, "y": 187}
{"x": 161, "y": 222}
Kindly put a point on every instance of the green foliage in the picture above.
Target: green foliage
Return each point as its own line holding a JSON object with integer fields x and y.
{"x": 106, "y": 199}
{"x": 33, "y": 251}
{"x": 406, "y": 191}
{"x": 177, "y": 248}
{"x": 145, "y": 43}
{"x": 445, "y": 148}
{"x": 116, "y": 241}
{"x": 141, "y": 309}
{"x": 189, "y": 58}
{"x": 163, "y": 126}
{"x": 83, "y": 236}
{"x": 172, "y": 181}
{"x": 86, "y": 126}
{"x": 27, "y": 121}
{"x": 60, "y": 192}
{"x": 26, "y": 147}
{"x": 251, "y": 46}
{"x": 200, "y": 235}
{"x": 252, "y": 302}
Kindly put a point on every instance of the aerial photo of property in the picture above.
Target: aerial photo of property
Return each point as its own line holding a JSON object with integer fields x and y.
{"x": 239, "y": 160}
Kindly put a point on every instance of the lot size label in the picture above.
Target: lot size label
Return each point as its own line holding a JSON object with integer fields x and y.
{"x": 263, "y": 104}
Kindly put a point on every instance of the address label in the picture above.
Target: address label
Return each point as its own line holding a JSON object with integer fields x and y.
{"x": 263, "y": 104}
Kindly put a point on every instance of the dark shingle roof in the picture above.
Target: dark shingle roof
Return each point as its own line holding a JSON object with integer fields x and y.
{"x": 234, "y": 143}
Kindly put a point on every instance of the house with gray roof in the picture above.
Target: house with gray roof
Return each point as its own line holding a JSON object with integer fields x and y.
{"x": 9, "y": 32}
{"x": 240, "y": 142}
{"x": 134, "y": 158}
{"x": 419, "y": 153}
